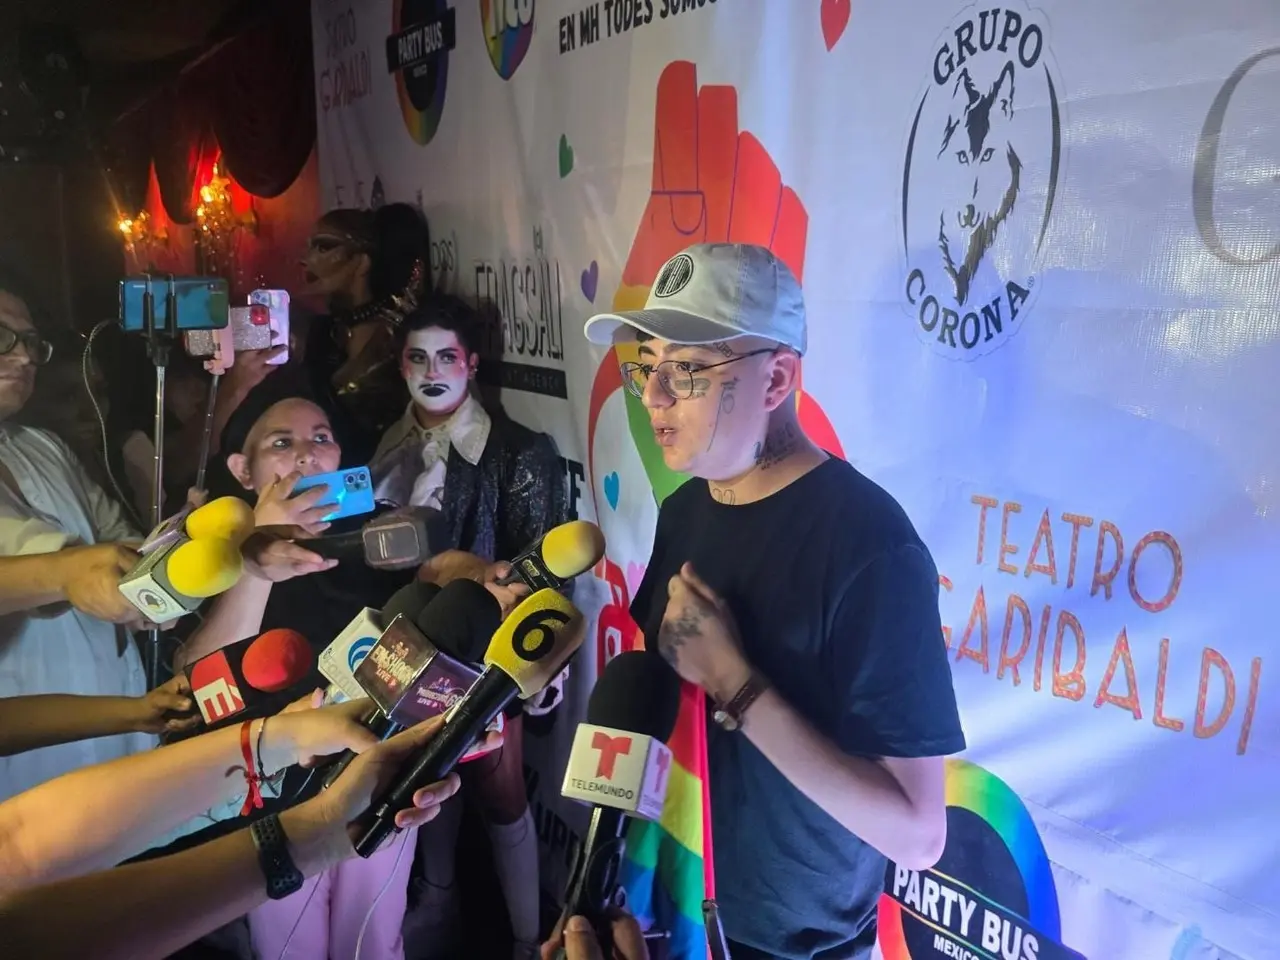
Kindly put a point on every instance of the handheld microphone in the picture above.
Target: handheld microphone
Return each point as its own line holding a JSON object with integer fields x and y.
{"x": 561, "y": 554}
{"x": 420, "y": 669}
{"x": 272, "y": 662}
{"x": 338, "y": 661}
{"x": 526, "y": 652}
{"x": 620, "y": 763}
{"x": 398, "y": 540}
{"x": 185, "y": 563}
{"x": 421, "y": 666}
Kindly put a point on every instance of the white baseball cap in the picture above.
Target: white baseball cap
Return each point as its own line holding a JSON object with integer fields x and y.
{"x": 716, "y": 291}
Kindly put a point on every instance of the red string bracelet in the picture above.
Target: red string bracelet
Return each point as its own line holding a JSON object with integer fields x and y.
{"x": 254, "y": 798}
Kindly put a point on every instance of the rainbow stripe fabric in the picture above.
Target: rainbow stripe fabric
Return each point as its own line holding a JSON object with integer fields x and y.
{"x": 668, "y": 870}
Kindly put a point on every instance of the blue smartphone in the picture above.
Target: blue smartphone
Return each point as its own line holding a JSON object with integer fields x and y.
{"x": 203, "y": 302}
{"x": 351, "y": 491}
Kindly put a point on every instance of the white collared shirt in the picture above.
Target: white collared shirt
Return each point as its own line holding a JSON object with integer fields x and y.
{"x": 58, "y": 649}
{"x": 410, "y": 463}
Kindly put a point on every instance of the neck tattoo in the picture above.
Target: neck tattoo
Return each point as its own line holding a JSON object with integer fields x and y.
{"x": 780, "y": 443}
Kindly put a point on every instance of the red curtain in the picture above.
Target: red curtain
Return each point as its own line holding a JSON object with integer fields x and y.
{"x": 252, "y": 101}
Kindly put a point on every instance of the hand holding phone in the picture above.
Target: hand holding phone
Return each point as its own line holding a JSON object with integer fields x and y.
{"x": 282, "y": 505}
{"x": 350, "y": 491}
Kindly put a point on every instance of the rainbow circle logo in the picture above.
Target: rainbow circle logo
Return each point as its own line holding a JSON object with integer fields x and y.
{"x": 991, "y": 895}
{"x": 422, "y": 34}
{"x": 508, "y": 31}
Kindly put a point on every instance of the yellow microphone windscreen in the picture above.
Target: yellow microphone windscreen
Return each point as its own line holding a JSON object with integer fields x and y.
{"x": 572, "y": 548}
{"x": 204, "y": 568}
{"x": 227, "y": 518}
{"x": 536, "y": 640}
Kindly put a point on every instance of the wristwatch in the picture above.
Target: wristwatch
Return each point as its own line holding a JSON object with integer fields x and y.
{"x": 282, "y": 874}
{"x": 729, "y": 715}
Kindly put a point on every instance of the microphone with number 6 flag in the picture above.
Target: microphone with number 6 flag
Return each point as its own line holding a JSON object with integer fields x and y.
{"x": 562, "y": 553}
{"x": 270, "y": 663}
{"x": 620, "y": 763}
{"x": 526, "y": 652}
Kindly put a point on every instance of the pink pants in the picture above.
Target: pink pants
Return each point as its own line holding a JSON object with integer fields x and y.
{"x": 330, "y": 909}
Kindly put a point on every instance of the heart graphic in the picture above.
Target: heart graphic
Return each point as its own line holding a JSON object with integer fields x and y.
{"x": 566, "y": 151}
{"x": 611, "y": 489}
{"x": 590, "y": 280}
{"x": 835, "y": 17}
{"x": 634, "y": 574}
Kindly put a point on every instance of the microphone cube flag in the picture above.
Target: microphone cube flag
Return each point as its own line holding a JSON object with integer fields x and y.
{"x": 339, "y": 660}
{"x": 619, "y": 769}
{"x": 148, "y": 588}
{"x": 409, "y": 677}
{"x": 214, "y": 688}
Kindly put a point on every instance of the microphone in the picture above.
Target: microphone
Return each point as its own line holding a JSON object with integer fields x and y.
{"x": 272, "y": 662}
{"x": 418, "y": 668}
{"x": 397, "y": 540}
{"x": 338, "y": 661}
{"x": 183, "y": 567}
{"x": 620, "y": 763}
{"x": 526, "y": 652}
{"x": 401, "y": 539}
{"x": 561, "y": 554}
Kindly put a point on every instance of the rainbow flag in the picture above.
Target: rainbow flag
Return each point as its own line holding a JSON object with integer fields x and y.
{"x": 669, "y": 870}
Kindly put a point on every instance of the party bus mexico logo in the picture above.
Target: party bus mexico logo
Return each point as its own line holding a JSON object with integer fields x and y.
{"x": 508, "y": 31}
{"x": 990, "y": 897}
{"x": 981, "y": 174}
{"x": 422, "y": 34}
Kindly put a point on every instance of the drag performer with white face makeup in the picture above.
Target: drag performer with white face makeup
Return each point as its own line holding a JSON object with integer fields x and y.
{"x": 498, "y": 486}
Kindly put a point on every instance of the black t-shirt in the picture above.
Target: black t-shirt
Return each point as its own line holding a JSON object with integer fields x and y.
{"x": 836, "y": 599}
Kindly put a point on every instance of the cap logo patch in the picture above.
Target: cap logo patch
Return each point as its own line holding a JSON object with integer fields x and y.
{"x": 675, "y": 276}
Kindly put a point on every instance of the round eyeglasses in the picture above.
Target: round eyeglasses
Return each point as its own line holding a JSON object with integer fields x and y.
{"x": 676, "y": 377}
{"x": 38, "y": 349}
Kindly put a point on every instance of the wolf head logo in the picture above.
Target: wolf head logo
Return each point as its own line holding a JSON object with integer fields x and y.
{"x": 982, "y": 149}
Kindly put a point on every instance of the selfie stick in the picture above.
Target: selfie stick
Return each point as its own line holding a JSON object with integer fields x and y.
{"x": 159, "y": 341}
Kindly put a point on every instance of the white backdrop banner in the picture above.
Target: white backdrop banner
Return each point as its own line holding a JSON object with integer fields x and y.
{"x": 1041, "y": 254}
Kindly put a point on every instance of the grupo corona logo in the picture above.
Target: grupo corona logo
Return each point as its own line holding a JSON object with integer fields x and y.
{"x": 508, "y": 31}
{"x": 422, "y": 34}
{"x": 991, "y": 895}
{"x": 982, "y": 168}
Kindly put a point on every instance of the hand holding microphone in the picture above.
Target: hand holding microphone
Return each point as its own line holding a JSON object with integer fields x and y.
{"x": 620, "y": 764}
{"x": 188, "y": 563}
{"x": 91, "y": 577}
{"x": 167, "y": 709}
{"x": 526, "y": 652}
{"x": 576, "y": 940}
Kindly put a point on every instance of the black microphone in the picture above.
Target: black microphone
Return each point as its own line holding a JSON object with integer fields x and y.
{"x": 421, "y": 666}
{"x": 558, "y": 556}
{"x": 619, "y": 763}
{"x": 527, "y": 651}
{"x": 396, "y": 540}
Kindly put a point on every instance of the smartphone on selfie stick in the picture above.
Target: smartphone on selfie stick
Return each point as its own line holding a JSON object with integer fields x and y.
{"x": 159, "y": 307}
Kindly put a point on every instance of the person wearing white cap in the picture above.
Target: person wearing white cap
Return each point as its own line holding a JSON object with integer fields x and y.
{"x": 797, "y": 593}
